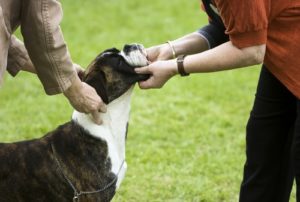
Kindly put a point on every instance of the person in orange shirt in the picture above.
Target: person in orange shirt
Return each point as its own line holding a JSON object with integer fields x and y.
{"x": 240, "y": 34}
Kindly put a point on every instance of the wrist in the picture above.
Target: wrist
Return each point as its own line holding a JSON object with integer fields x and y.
{"x": 172, "y": 49}
{"x": 173, "y": 67}
{"x": 74, "y": 88}
{"x": 180, "y": 66}
{"x": 166, "y": 52}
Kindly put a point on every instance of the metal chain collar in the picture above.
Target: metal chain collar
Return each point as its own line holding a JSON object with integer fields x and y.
{"x": 77, "y": 193}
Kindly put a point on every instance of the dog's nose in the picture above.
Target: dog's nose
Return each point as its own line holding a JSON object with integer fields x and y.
{"x": 127, "y": 48}
{"x": 130, "y": 47}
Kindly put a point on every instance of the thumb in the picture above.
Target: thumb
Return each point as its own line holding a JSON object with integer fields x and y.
{"x": 96, "y": 118}
{"x": 143, "y": 70}
{"x": 146, "y": 84}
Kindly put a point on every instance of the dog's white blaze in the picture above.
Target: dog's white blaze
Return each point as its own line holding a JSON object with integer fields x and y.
{"x": 135, "y": 58}
{"x": 112, "y": 130}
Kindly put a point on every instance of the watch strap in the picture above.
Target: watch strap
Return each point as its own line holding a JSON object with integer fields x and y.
{"x": 180, "y": 65}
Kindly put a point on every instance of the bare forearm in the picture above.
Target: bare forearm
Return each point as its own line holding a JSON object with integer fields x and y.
{"x": 223, "y": 57}
{"x": 190, "y": 44}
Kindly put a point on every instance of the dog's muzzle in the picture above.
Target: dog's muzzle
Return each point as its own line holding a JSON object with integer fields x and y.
{"x": 135, "y": 55}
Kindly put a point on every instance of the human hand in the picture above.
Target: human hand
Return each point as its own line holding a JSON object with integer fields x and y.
{"x": 159, "y": 52}
{"x": 85, "y": 99}
{"x": 79, "y": 70}
{"x": 160, "y": 72}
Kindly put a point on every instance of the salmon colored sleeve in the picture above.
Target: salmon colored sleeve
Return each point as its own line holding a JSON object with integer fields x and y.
{"x": 246, "y": 21}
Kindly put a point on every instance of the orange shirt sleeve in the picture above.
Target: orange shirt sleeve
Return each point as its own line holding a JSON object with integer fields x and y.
{"x": 246, "y": 21}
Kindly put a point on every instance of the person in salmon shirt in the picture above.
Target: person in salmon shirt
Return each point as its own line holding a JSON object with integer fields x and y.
{"x": 241, "y": 34}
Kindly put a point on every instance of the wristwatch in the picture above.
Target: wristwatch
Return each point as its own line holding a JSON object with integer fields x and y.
{"x": 180, "y": 65}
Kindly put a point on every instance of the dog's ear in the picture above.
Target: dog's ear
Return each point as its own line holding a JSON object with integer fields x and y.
{"x": 102, "y": 58}
{"x": 113, "y": 58}
{"x": 120, "y": 65}
{"x": 97, "y": 80}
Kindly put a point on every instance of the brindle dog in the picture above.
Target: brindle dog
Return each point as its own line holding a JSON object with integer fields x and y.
{"x": 73, "y": 162}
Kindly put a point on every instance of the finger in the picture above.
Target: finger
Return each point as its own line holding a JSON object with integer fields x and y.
{"x": 102, "y": 108}
{"x": 145, "y": 84}
{"x": 81, "y": 75}
{"x": 79, "y": 70}
{"x": 148, "y": 53}
{"x": 99, "y": 105}
{"x": 143, "y": 70}
{"x": 96, "y": 117}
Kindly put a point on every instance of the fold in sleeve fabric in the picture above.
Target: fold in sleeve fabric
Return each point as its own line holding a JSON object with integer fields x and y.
{"x": 246, "y": 22}
{"x": 4, "y": 44}
{"x": 17, "y": 56}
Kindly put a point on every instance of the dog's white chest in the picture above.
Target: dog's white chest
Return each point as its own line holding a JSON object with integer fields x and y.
{"x": 113, "y": 131}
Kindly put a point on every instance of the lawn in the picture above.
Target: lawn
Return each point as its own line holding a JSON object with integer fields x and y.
{"x": 186, "y": 141}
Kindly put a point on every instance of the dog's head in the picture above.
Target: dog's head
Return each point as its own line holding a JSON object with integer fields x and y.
{"x": 111, "y": 74}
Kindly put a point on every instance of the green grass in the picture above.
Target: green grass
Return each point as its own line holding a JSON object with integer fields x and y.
{"x": 186, "y": 141}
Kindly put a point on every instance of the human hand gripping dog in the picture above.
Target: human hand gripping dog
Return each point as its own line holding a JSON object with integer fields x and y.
{"x": 80, "y": 95}
{"x": 160, "y": 68}
{"x": 85, "y": 99}
{"x": 163, "y": 62}
{"x": 160, "y": 71}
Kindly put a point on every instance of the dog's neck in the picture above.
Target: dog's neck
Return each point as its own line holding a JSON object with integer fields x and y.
{"x": 113, "y": 129}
